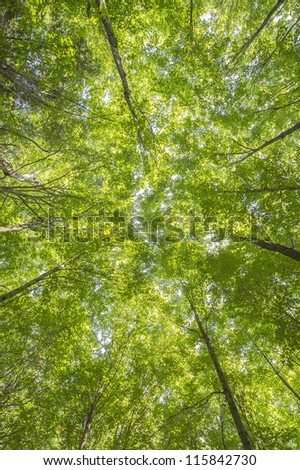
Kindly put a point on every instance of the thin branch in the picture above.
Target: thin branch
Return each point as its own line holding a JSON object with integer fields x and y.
{"x": 198, "y": 404}
{"x": 275, "y": 49}
{"x": 38, "y": 279}
{"x": 261, "y": 190}
{"x": 241, "y": 145}
{"x": 27, "y": 138}
{"x": 259, "y": 30}
{"x": 277, "y": 373}
{"x": 282, "y": 135}
{"x": 278, "y": 107}
{"x": 191, "y": 20}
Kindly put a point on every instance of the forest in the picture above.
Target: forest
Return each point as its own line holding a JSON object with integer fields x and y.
{"x": 149, "y": 182}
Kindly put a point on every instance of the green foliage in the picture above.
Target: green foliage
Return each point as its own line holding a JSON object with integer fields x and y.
{"x": 106, "y": 351}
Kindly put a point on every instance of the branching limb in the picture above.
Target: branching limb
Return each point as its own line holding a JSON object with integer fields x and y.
{"x": 268, "y": 245}
{"x": 262, "y": 190}
{"x": 281, "y": 136}
{"x": 277, "y": 373}
{"x": 275, "y": 49}
{"x": 9, "y": 170}
{"x": 259, "y": 30}
{"x": 198, "y": 404}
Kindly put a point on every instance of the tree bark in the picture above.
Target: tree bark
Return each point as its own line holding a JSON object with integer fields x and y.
{"x": 191, "y": 20}
{"x": 18, "y": 290}
{"x": 13, "y": 228}
{"x": 8, "y": 170}
{"x": 241, "y": 430}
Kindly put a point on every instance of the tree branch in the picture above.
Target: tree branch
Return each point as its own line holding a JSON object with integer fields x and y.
{"x": 275, "y": 49}
{"x": 191, "y": 20}
{"x": 282, "y": 135}
{"x": 259, "y": 30}
{"x": 261, "y": 190}
{"x": 198, "y": 404}
{"x": 268, "y": 245}
{"x": 277, "y": 373}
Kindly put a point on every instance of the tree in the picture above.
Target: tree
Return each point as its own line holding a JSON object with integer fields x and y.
{"x": 149, "y": 224}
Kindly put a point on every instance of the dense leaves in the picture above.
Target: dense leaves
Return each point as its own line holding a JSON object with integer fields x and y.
{"x": 150, "y": 224}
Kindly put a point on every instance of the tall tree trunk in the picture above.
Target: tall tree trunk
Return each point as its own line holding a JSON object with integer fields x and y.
{"x": 36, "y": 280}
{"x": 242, "y": 432}
{"x": 113, "y": 44}
{"x": 92, "y": 410}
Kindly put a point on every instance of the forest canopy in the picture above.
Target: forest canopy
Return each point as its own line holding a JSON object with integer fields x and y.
{"x": 150, "y": 243}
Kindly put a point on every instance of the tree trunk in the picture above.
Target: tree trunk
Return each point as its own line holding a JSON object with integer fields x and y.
{"x": 113, "y": 44}
{"x": 242, "y": 432}
{"x": 88, "y": 425}
{"x": 90, "y": 416}
{"x": 191, "y": 20}
{"x": 18, "y": 290}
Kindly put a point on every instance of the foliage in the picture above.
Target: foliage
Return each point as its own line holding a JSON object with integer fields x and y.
{"x": 129, "y": 219}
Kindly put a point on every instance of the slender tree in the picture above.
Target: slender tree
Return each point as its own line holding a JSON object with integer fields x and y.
{"x": 240, "y": 427}
{"x": 9, "y": 295}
